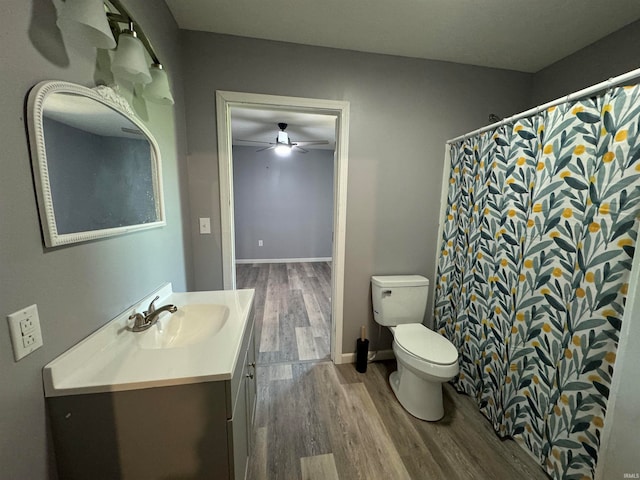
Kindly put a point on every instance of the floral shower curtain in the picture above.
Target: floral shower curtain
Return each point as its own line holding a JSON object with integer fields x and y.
{"x": 540, "y": 231}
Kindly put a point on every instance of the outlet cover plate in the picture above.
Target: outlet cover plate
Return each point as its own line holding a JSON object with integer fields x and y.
{"x": 26, "y": 336}
{"x": 205, "y": 225}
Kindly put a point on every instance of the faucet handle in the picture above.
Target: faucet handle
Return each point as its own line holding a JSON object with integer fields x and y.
{"x": 139, "y": 321}
{"x": 152, "y": 307}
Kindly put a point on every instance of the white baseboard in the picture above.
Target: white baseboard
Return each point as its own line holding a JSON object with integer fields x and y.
{"x": 282, "y": 260}
{"x": 381, "y": 355}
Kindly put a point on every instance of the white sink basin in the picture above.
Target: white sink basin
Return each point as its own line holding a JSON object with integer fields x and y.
{"x": 199, "y": 343}
{"x": 191, "y": 324}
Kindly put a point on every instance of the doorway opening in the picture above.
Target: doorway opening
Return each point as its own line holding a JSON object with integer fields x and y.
{"x": 226, "y": 102}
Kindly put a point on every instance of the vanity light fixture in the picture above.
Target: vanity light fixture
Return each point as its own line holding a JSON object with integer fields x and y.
{"x": 158, "y": 90}
{"x": 87, "y": 20}
{"x": 129, "y": 61}
{"x": 98, "y": 23}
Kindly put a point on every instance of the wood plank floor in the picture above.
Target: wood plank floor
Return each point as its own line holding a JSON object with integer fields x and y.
{"x": 320, "y": 421}
{"x": 292, "y": 309}
{"x": 316, "y": 420}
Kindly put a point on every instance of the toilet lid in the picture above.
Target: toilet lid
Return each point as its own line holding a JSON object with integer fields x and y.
{"x": 418, "y": 340}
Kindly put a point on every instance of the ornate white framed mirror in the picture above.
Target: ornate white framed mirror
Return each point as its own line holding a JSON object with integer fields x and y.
{"x": 97, "y": 168}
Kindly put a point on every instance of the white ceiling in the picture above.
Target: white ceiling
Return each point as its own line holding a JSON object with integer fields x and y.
{"x": 524, "y": 35}
{"x": 262, "y": 125}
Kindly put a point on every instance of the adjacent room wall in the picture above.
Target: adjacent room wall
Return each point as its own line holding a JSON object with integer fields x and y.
{"x": 402, "y": 112}
{"x": 287, "y": 202}
{"x": 78, "y": 287}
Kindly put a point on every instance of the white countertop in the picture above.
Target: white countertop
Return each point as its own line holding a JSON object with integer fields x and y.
{"x": 111, "y": 359}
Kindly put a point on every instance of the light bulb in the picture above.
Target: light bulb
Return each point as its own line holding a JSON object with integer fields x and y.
{"x": 283, "y": 150}
{"x": 283, "y": 137}
{"x": 129, "y": 61}
{"x": 158, "y": 90}
{"x": 86, "y": 20}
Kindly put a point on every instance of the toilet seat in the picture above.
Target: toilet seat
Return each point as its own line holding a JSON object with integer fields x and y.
{"x": 417, "y": 340}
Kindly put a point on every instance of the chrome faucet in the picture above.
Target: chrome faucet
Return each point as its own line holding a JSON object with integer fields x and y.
{"x": 149, "y": 317}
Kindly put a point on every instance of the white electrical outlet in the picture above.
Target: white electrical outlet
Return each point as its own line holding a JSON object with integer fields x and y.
{"x": 25, "y": 331}
{"x": 28, "y": 340}
{"x": 259, "y": 243}
{"x": 26, "y": 325}
{"x": 205, "y": 225}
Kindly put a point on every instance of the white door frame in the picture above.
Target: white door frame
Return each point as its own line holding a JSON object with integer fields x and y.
{"x": 224, "y": 102}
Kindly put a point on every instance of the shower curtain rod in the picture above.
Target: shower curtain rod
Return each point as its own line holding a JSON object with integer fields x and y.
{"x": 572, "y": 96}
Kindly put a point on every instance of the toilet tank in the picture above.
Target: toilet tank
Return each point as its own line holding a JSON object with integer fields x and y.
{"x": 399, "y": 299}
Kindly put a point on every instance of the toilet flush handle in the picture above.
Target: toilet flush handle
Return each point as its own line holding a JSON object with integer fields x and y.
{"x": 386, "y": 293}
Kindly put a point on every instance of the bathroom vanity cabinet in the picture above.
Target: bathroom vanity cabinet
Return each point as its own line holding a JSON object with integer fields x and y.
{"x": 243, "y": 388}
{"x": 190, "y": 431}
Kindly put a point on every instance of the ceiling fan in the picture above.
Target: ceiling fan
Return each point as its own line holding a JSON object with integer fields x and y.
{"x": 283, "y": 144}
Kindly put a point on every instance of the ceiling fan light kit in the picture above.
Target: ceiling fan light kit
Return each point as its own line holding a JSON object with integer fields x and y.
{"x": 283, "y": 137}
{"x": 283, "y": 145}
{"x": 283, "y": 142}
{"x": 283, "y": 150}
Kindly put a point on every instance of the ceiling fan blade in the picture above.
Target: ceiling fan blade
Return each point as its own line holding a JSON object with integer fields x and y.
{"x": 312, "y": 142}
{"x": 253, "y": 141}
{"x": 302, "y": 150}
{"x": 265, "y": 148}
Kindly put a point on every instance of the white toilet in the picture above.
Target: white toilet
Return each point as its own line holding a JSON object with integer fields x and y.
{"x": 425, "y": 358}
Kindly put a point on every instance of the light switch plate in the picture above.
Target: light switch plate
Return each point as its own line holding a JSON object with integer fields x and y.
{"x": 26, "y": 336}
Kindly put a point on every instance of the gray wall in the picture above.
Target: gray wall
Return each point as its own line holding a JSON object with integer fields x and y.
{"x": 287, "y": 202}
{"x": 402, "y": 112}
{"x": 79, "y": 287}
{"x": 613, "y": 55}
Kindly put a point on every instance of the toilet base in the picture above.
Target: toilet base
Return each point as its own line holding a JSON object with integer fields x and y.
{"x": 420, "y": 397}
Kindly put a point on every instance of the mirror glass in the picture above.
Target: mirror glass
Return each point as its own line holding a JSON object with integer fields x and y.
{"x": 97, "y": 167}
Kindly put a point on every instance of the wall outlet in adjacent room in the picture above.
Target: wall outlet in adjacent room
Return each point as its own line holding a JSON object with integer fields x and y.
{"x": 259, "y": 243}
{"x": 205, "y": 225}
{"x": 26, "y": 336}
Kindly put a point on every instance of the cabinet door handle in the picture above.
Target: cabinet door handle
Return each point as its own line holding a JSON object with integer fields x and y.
{"x": 252, "y": 364}
{"x": 249, "y": 375}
